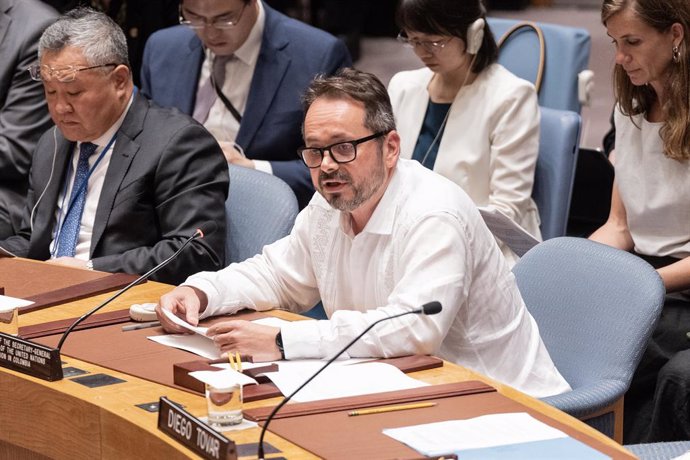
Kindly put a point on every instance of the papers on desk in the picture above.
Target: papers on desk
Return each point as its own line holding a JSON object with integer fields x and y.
{"x": 343, "y": 378}
{"x": 513, "y": 436}
{"x": 340, "y": 379}
{"x": 10, "y": 303}
{"x": 223, "y": 378}
{"x": 193, "y": 343}
{"x": 198, "y": 343}
{"x": 182, "y": 323}
{"x": 507, "y": 230}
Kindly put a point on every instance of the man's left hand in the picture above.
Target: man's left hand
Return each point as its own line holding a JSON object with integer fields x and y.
{"x": 247, "y": 338}
{"x": 69, "y": 261}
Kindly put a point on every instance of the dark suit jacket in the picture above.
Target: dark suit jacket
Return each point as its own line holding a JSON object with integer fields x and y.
{"x": 23, "y": 111}
{"x": 292, "y": 53}
{"x": 167, "y": 176}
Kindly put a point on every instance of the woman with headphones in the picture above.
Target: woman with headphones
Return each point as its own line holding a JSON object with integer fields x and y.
{"x": 463, "y": 115}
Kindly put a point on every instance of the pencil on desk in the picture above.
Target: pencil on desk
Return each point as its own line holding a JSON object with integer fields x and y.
{"x": 380, "y": 410}
{"x": 134, "y": 327}
{"x": 235, "y": 360}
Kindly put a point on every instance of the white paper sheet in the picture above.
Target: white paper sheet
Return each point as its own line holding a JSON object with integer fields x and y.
{"x": 272, "y": 321}
{"x": 507, "y": 230}
{"x": 433, "y": 439}
{"x": 223, "y": 378}
{"x": 9, "y": 303}
{"x": 339, "y": 380}
{"x": 180, "y": 322}
{"x": 197, "y": 344}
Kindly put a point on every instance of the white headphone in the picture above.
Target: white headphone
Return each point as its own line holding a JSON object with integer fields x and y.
{"x": 475, "y": 36}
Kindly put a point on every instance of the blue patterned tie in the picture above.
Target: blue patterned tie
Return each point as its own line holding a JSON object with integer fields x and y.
{"x": 69, "y": 232}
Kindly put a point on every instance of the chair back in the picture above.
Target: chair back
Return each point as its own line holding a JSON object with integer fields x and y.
{"x": 555, "y": 173}
{"x": 260, "y": 208}
{"x": 562, "y": 58}
{"x": 596, "y": 307}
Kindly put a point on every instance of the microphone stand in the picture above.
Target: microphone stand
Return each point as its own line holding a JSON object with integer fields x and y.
{"x": 198, "y": 233}
{"x": 429, "y": 308}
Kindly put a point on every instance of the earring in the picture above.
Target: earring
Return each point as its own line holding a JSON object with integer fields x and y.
{"x": 676, "y": 54}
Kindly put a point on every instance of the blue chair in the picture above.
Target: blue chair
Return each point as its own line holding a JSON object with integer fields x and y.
{"x": 260, "y": 208}
{"x": 563, "y": 59}
{"x": 555, "y": 173}
{"x": 596, "y": 308}
{"x": 659, "y": 450}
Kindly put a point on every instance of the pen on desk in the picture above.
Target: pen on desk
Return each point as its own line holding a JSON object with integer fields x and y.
{"x": 380, "y": 410}
{"x": 134, "y": 327}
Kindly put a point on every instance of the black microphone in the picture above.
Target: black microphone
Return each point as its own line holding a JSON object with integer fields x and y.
{"x": 205, "y": 229}
{"x": 429, "y": 308}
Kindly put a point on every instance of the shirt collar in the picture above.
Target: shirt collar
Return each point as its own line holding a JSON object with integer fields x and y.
{"x": 382, "y": 219}
{"x": 249, "y": 51}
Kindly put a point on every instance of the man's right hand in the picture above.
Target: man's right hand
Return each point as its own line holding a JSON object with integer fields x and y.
{"x": 183, "y": 301}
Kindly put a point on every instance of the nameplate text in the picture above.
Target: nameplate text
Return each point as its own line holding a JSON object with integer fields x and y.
{"x": 30, "y": 358}
{"x": 193, "y": 433}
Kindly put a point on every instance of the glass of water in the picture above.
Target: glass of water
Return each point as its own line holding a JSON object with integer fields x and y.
{"x": 224, "y": 405}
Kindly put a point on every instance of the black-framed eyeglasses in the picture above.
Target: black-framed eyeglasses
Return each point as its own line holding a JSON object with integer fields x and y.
{"x": 430, "y": 46}
{"x": 221, "y": 23}
{"x": 64, "y": 74}
{"x": 341, "y": 152}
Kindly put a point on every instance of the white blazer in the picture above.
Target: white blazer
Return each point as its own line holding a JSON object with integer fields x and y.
{"x": 490, "y": 143}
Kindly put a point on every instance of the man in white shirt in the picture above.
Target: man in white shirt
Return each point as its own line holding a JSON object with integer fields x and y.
{"x": 261, "y": 62}
{"x": 383, "y": 235}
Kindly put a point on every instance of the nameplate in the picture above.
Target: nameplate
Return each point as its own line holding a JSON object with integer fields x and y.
{"x": 30, "y": 358}
{"x": 193, "y": 433}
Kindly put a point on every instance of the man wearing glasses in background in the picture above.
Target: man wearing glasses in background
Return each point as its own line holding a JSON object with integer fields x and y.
{"x": 239, "y": 68}
{"x": 119, "y": 183}
{"x": 382, "y": 236}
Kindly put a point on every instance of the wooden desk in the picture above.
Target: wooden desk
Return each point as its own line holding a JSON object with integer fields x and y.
{"x": 67, "y": 420}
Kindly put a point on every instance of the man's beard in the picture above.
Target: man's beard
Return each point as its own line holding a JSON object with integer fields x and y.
{"x": 361, "y": 192}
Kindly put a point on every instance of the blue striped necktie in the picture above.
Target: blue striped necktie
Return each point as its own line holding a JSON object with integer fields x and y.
{"x": 69, "y": 232}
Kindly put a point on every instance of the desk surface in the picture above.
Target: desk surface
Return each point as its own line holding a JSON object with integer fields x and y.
{"x": 67, "y": 420}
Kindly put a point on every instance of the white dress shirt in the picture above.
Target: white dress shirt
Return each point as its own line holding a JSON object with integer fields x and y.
{"x": 490, "y": 144}
{"x": 425, "y": 241}
{"x": 93, "y": 189}
{"x": 239, "y": 72}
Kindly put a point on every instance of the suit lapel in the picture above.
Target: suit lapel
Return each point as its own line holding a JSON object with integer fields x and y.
{"x": 268, "y": 75}
{"x": 123, "y": 153}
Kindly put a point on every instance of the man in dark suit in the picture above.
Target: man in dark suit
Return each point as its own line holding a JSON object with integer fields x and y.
{"x": 23, "y": 111}
{"x": 255, "y": 103}
{"x": 119, "y": 183}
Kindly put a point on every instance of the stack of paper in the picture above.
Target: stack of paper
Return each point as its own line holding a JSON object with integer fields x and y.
{"x": 513, "y": 436}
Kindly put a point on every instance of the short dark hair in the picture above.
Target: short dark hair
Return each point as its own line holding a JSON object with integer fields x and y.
{"x": 360, "y": 86}
{"x": 449, "y": 17}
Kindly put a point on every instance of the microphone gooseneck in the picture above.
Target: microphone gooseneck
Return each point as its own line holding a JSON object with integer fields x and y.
{"x": 207, "y": 228}
{"x": 429, "y": 308}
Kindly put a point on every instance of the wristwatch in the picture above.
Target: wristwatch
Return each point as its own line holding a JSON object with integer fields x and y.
{"x": 89, "y": 264}
{"x": 279, "y": 344}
